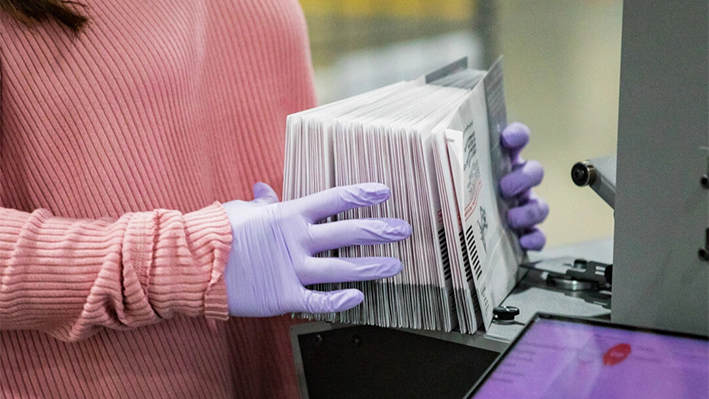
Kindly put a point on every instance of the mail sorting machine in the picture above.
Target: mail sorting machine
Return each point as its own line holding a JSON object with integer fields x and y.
{"x": 659, "y": 188}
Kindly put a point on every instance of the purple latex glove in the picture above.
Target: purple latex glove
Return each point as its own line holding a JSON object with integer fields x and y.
{"x": 531, "y": 210}
{"x": 271, "y": 257}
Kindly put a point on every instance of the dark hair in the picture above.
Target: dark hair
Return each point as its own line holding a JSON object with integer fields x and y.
{"x": 32, "y": 11}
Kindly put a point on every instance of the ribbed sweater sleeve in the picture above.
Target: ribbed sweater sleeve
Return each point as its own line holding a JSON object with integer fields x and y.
{"x": 69, "y": 277}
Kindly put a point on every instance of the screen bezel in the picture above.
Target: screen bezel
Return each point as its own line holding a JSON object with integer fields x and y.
{"x": 577, "y": 320}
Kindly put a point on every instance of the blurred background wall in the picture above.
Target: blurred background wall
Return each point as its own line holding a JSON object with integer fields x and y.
{"x": 562, "y": 65}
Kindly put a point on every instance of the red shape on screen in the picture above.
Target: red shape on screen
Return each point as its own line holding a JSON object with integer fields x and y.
{"x": 616, "y": 354}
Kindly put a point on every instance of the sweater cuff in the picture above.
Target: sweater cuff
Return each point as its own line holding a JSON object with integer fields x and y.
{"x": 207, "y": 227}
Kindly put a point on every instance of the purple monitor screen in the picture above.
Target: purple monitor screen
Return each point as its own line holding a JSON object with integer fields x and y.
{"x": 562, "y": 359}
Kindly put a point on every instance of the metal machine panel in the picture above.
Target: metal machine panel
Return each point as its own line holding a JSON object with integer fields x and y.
{"x": 661, "y": 209}
{"x": 373, "y": 362}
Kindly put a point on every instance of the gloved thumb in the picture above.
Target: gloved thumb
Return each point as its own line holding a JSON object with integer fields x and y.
{"x": 263, "y": 193}
{"x": 335, "y": 301}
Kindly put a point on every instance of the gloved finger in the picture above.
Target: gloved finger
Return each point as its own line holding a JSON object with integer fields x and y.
{"x": 333, "y": 301}
{"x": 341, "y": 270}
{"x": 263, "y": 193}
{"x": 357, "y": 232}
{"x": 525, "y": 196}
{"x": 521, "y": 179}
{"x": 514, "y": 138}
{"x": 326, "y": 203}
{"x": 528, "y": 215}
{"x": 533, "y": 240}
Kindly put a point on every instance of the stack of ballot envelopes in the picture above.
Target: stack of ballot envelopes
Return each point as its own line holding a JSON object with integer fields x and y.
{"x": 435, "y": 141}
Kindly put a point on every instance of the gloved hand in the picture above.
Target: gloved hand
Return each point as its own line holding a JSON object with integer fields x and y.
{"x": 531, "y": 210}
{"x": 274, "y": 242}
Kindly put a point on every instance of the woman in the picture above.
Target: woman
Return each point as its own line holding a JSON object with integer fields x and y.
{"x": 124, "y": 138}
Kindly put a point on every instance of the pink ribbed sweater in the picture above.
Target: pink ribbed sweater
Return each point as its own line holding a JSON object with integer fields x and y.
{"x": 115, "y": 146}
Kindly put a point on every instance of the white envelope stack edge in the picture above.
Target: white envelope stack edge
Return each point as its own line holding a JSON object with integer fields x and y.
{"x": 435, "y": 142}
